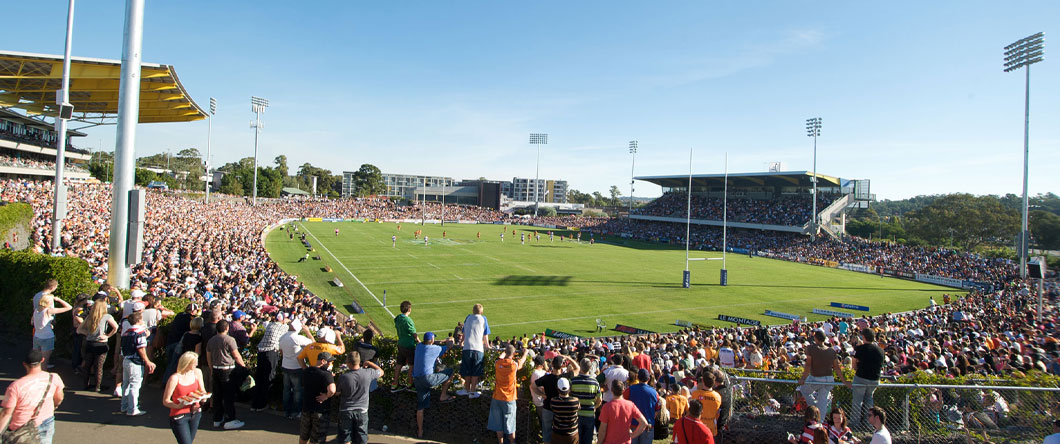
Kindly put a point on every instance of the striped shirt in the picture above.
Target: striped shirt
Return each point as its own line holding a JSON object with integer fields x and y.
{"x": 565, "y": 415}
{"x": 587, "y": 390}
{"x": 270, "y": 341}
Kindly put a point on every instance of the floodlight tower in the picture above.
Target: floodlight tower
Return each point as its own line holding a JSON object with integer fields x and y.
{"x": 538, "y": 139}
{"x": 632, "y": 168}
{"x": 257, "y": 105}
{"x": 813, "y": 129}
{"x": 209, "y": 139}
{"x": 1024, "y": 53}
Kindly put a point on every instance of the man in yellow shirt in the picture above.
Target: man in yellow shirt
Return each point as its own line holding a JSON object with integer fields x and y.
{"x": 325, "y": 338}
{"x": 710, "y": 399}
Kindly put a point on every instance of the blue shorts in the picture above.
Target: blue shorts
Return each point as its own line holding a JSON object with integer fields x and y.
{"x": 471, "y": 363}
{"x": 424, "y": 384}
{"x": 502, "y": 417}
{"x": 44, "y": 345}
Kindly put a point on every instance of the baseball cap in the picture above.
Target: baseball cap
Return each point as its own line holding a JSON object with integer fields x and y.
{"x": 192, "y": 307}
{"x": 296, "y": 325}
{"x": 238, "y": 314}
{"x": 563, "y": 385}
{"x": 137, "y": 293}
{"x": 429, "y": 336}
{"x": 325, "y": 357}
{"x": 137, "y": 307}
{"x": 643, "y": 375}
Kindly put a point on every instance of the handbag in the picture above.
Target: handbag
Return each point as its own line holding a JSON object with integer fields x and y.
{"x": 27, "y": 433}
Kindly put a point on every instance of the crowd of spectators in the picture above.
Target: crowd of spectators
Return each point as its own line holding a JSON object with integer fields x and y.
{"x": 213, "y": 256}
{"x": 23, "y": 162}
{"x": 785, "y": 210}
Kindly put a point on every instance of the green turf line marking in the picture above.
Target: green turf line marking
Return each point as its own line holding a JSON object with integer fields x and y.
{"x": 325, "y": 247}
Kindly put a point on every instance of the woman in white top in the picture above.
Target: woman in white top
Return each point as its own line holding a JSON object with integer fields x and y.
{"x": 43, "y": 315}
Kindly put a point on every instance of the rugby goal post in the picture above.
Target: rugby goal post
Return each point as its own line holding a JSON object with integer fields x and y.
{"x": 687, "y": 280}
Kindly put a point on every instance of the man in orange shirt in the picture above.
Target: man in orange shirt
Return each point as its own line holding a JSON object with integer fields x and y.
{"x": 502, "y": 406}
{"x": 710, "y": 399}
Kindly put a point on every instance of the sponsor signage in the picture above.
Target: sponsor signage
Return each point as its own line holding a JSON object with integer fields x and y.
{"x": 849, "y": 306}
{"x": 939, "y": 280}
{"x": 839, "y": 314}
{"x": 857, "y": 267}
{"x": 739, "y": 320}
{"x": 983, "y": 286}
{"x": 777, "y": 314}
{"x": 561, "y": 335}
{"x": 631, "y": 330}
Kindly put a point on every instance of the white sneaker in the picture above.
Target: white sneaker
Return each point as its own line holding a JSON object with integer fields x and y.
{"x": 117, "y": 392}
{"x": 461, "y": 392}
{"x": 234, "y": 424}
{"x": 136, "y": 413}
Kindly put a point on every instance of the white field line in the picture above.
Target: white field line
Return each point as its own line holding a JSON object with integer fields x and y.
{"x": 347, "y": 270}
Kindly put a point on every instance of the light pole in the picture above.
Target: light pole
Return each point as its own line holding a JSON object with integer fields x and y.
{"x": 118, "y": 261}
{"x": 65, "y": 112}
{"x": 813, "y": 129}
{"x": 1024, "y": 53}
{"x": 258, "y": 105}
{"x": 632, "y": 168}
{"x": 209, "y": 144}
{"x": 538, "y": 139}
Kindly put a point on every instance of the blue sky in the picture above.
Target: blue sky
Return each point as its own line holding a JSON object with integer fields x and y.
{"x": 912, "y": 94}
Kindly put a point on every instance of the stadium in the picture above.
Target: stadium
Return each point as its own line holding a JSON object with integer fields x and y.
{"x": 721, "y": 295}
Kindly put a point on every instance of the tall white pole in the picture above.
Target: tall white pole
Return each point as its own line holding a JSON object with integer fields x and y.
{"x": 1024, "y": 241}
{"x": 443, "y": 201}
{"x": 725, "y": 214}
{"x": 257, "y": 131}
{"x": 209, "y": 147}
{"x": 688, "y": 209}
{"x": 813, "y": 225}
{"x": 632, "y": 170}
{"x": 118, "y": 270}
{"x": 537, "y": 178}
{"x": 59, "y": 207}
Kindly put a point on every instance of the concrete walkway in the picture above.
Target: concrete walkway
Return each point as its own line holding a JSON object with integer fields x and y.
{"x": 90, "y": 418}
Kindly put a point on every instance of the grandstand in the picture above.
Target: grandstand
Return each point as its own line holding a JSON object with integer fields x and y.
{"x": 772, "y": 201}
{"x": 27, "y": 149}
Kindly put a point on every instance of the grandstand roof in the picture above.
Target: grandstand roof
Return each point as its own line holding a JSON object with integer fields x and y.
{"x": 779, "y": 178}
{"x": 29, "y": 81}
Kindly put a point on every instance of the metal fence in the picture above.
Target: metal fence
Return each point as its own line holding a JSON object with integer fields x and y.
{"x": 923, "y": 413}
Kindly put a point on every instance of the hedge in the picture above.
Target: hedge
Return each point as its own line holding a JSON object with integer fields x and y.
{"x": 24, "y": 274}
{"x": 13, "y": 214}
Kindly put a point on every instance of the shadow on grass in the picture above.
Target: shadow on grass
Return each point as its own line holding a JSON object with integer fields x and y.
{"x": 714, "y": 284}
{"x": 526, "y": 280}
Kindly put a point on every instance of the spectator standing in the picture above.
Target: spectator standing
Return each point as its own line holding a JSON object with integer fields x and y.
{"x": 647, "y": 401}
{"x": 614, "y": 372}
{"x": 50, "y": 286}
{"x": 709, "y": 399}
{"x": 32, "y": 399}
{"x": 878, "y": 420}
{"x": 186, "y": 380}
{"x": 587, "y": 390}
{"x": 502, "y": 406}
{"x": 98, "y": 326}
{"x": 616, "y": 418}
{"x": 327, "y": 341}
{"x": 425, "y": 378}
{"x": 268, "y": 360}
{"x": 134, "y": 362}
{"x": 353, "y": 388}
{"x": 291, "y": 345}
{"x": 867, "y": 362}
{"x": 238, "y": 332}
{"x": 406, "y": 346}
{"x": 642, "y": 360}
{"x": 476, "y": 340}
{"x": 547, "y": 387}
{"x": 43, "y": 317}
{"x": 565, "y": 415}
{"x": 726, "y": 356}
{"x": 817, "y": 374}
{"x": 180, "y": 324}
{"x": 222, "y": 355}
{"x": 319, "y": 385}
{"x": 689, "y": 429}
{"x": 724, "y": 389}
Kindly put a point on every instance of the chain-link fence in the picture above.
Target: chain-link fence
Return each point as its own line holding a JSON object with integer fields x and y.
{"x": 920, "y": 413}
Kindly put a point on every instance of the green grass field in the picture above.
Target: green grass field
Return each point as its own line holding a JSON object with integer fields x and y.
{"x": 563, "y": 285}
